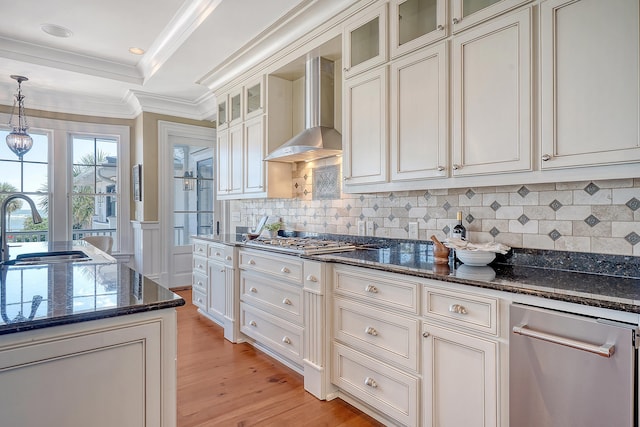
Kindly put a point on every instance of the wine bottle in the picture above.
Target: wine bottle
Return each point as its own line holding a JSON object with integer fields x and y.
{"x": 459, "y": 231}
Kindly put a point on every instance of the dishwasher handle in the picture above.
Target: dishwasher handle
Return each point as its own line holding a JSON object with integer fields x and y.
{"x": 605, "y": 350}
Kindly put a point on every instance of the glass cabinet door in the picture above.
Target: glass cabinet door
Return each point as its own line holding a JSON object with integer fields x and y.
{"x": 235, "y": 107}
{"x": 254, "y": 99}
{"x": 365, "y": 42}
{"x": 416, "y": 23}
{"x": 222, "y": 112}
{"x": 466, "y": 13}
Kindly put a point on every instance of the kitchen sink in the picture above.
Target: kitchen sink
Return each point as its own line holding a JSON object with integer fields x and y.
{"x": 48, "y": 258}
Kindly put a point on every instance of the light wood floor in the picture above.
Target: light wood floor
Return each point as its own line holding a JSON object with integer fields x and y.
{"x": 225, "y": 384}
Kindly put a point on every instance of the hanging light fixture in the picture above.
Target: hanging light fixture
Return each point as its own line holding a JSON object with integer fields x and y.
{"x": 19, "y": 140}
{"x": 187, "y": 181}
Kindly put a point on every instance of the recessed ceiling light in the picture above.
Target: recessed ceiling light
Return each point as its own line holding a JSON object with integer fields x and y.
{"x": 56, "y": 30}
{"x": 136, "y": 50}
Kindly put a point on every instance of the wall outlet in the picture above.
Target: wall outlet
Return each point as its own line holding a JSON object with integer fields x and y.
{"x": 370, "y": 231}
{"x": 413, "y": 230}
{"x": 361, "y": 230}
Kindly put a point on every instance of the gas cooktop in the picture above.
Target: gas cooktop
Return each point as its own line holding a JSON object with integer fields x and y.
{"x": 301, "y": 245}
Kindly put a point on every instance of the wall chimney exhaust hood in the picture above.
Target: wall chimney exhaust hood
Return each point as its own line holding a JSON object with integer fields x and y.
{"x": 319, "y": 139}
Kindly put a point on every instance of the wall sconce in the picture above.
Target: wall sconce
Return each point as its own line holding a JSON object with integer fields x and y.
{"x": 19, "y": 140}
{"x": 187, "y": 181}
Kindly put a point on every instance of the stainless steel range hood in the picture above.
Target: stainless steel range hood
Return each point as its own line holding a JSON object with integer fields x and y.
{"x": 319, "y": 139}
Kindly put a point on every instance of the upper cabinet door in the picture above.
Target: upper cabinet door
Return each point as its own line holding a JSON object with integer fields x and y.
{"x": 236, "y": 145}
{"x": 419, "y": 119}
{"x": 466, "y": 13}
{"x": 364, "y": 41}
{"x": 365, "y": 128}
{"x": 223, "y": 111}
{"x": 415, "y": 23}
{"x": 492, "y": 97}
{"x": 254, "y": 155}
{"x": 224, "y": 163}
{"x": 589, "y": 83}
{"x": 235, "y": 107}
{"x": 254, "y": 98}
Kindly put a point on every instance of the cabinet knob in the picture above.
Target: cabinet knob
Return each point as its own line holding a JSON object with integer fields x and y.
{"x": 372, "y": 289}
{"x": 286, "y": 301}
{"x": 199, "y": 283}
{"x": 218, "y": 254}
{"x": 254, "y": 290}
{"x": 199, "y": 265}
{"x": 456, "y": 167}
{"x": 285, "y": 270}
{"x": 346, "y": 178}
{"x": 370, "y": 382}
{"x": 457, "y": 308}
{"x": 371, "y": 331}
{"x": 286, "y": 340}
{"x": 228, "y": 258}
{"x": 440, "y": 27}
{"x": 312, "y": 278}
{"x": 546, "y": 157}
{"x": 200, "y": 300}
{"x": 345, "y": 69}
{"x": 222, "y": 271}
{"x": 455, "y": 21}
{"x": 200, "y": 250}
{"x": 425, "y": 334}
{"x": 251, "y": 262}
{"x": 253, "y": 323}
{"x": 440, "y": 168}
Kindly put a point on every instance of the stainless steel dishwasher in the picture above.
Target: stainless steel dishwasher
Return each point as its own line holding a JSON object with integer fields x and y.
{"x": 568, "y": 370}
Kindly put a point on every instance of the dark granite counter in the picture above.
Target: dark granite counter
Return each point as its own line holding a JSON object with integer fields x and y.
{"x": 45, "y": 295}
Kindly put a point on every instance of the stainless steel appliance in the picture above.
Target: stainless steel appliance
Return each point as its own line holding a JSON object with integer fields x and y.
{"x": 568, "y": 370}
{"x": 301, "y": 245}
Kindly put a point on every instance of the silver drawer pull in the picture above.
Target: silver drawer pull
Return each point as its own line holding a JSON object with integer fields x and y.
{"x": 199, "y": 283}
{"x": 312, "y": 278}
{"x": 253, "y": 323}
{"x": 457, "y": 308}
{"x": 604, "y": 350}
{"x": 228, "y": 258}
{"x": 286, "y": 340}
{"x": 370, "y": 382}
{"x": 222, "y": 271}
{"x": 371, "y": 331}
{"x": 199, "y": 265}
{"x": 425, "y": 334}
{"x": 372, "y": 289}
{"x": 285, "y": 270}
{"x": 200, "y": 250}
{"x": 252, "y": 289}
{"x": 217, "y": 253}
{"x": 286, "y": 301}
{"x": 251, "y": 262}
{"x": 200, "y": 300}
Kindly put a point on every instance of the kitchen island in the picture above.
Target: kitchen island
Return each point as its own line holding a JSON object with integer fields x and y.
{"x": 85, "y": 343}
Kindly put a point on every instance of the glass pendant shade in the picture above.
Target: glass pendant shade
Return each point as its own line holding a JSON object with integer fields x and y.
{"x": 19, "y": 140}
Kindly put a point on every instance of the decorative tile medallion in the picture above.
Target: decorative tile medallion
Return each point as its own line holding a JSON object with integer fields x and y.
{"x": 494, "y": 232}
{"x": 523, "y": 191}
{"x": 495, "y": 206}
{"x": 326, "y": 185}
{"x": 591, "y": 220}
{"x": 555, "y": 205}
{"x": 591, "y": 189}
{"x": 633, "y": 204}
{"x": 555, "y": 235}
{"x": 632, "y": 238}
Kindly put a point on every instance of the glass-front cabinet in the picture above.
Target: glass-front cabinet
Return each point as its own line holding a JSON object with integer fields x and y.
{"x": 466, "y": 13}
{"x": 416, "y": 23}
{"x": 223, "y": 114}
{"x": 254, "y": 98}
{"x": 235, "y": 107}
{"x": 365, "y": 41}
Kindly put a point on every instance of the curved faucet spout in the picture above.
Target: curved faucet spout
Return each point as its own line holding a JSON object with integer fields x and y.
{"x": 3, "y": 221}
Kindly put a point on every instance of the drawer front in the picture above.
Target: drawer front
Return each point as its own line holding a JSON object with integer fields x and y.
{"x": 199, "y": 283}
{"x": 389, "y": 290}
{"x": 385, "y": 335}
{"x": 200, "y": 248}
{"x": 277, "y": 298}
{"x": 199, "y": 299}
{"x": 283, "y": 267}
{"x": 387, "y": 389}
{"x": 277, "y": 334}
{"x": 462, "y": 309}
{"x": 200, "y": 264}
{"x": 215, "y": 251}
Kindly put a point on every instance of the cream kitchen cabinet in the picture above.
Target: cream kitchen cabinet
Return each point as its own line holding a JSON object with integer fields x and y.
{"x": 492, "y": 97}
{"x": 365, "y": 136}
{"x": 466, "y": 13}
{"x": 223, "y": 112}
{"x": 589, "y": 90}
{"x": 364, "y": 41}
{"x": 236, "y": 108}
{"x": 254, "y": 153}
{"x": 230, "y": 161}
{"x": 254, "y": 98}
{"x": 415, "y": 23}
{"x": 419, "y": 120}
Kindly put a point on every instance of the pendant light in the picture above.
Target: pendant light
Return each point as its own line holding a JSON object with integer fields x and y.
{"x": 19, "y": 140}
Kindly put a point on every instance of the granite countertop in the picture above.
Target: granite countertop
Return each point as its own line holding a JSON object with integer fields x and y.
{"x": 45, "y": 295}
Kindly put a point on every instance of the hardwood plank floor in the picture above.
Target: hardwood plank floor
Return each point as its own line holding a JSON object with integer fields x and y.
{"x": 225, "y": 384}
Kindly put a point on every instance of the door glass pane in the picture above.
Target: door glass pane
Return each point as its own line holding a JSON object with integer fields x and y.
{"x": 416, "y": 18}
{"x": 365, "y": 42}
{"x": 253, "y": 98}
{"x": 235, "y": 107}
{"x": 473, "y": 6}
{"x": 222, "y": 113}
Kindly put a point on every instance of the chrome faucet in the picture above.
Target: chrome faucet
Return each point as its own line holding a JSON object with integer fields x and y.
{"x": 4, "y": 255}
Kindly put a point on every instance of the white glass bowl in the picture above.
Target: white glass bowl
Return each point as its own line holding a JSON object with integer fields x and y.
{"x": 475, "y": 258}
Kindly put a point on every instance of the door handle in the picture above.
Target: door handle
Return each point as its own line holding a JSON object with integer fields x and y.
{"x": 604, "y": 350}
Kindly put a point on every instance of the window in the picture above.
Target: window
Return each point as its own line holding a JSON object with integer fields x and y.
{"x": 30, "y": 177}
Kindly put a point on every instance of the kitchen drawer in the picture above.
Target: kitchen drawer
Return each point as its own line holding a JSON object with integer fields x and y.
{"x": 377, "y": 332}
{"x": 382, "y": 288}
{"x": 199, "y": 283}
{"x": 461, "y": 309}
{"x": 200, "y": 248}
{"x": 219, "y": 252}
{"x": 277, "y": 298}
{"x": 385, "y": 388}
{"x": 283, "y": 267}
{"x": 200, "y": 264}
{"x": 199, "y": 299}
{"x": 279, "y": 335}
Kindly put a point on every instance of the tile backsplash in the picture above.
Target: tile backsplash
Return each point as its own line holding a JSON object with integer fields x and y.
{"x": 584, "y": 216}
